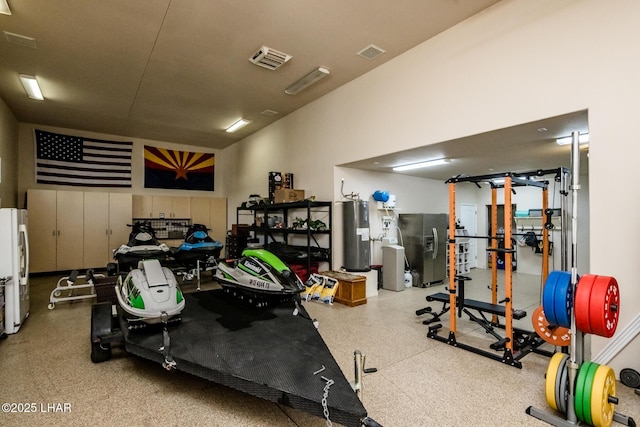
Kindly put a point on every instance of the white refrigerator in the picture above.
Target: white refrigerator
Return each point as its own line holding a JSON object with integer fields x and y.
{"x": 14, "y": 264}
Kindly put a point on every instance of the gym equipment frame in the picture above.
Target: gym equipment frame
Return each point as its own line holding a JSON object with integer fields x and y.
{"x": 515, "y": 343}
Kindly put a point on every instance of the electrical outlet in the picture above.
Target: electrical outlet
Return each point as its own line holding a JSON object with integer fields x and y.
{"x": 386, "y": 222}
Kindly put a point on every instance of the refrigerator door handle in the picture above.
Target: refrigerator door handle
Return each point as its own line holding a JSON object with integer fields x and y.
{"x": 22, "y": 228}
{"x": 435, "y": 243}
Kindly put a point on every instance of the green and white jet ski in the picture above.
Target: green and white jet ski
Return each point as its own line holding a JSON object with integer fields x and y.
{"x": 150, "y": 293}
{"x": 259, "y": 275}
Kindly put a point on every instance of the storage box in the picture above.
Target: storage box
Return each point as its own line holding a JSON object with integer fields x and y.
{"x": 284, "y": 195}
{"x": 352, "y": 289}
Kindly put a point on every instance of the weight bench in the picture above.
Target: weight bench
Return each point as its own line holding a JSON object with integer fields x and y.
{"x": 464, "y": 305}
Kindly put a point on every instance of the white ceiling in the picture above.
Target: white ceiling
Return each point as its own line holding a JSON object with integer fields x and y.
{"x": 178, "y": 70}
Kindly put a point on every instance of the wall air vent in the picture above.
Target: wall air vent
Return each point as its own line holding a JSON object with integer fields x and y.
{"x": 269, "y": 58}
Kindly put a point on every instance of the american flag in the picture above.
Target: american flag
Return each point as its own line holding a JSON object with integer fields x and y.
{"x": 86, "y": 162}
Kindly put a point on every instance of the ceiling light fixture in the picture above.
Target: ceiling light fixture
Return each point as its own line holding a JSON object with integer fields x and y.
{"x": 421, "y": 165}
{"x": 31, "y": 87}
{"x": 311, "y": 78}
{"x": 583, "y": 139}
{"x": 237, "y": 125}
{"x": 4, "y": 7}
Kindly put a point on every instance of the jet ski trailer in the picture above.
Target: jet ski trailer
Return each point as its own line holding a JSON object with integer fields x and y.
{"x": 275, "y": 353}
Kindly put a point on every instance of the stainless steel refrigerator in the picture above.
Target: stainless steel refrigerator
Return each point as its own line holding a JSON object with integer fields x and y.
{"x": 425, "y": 244}
{"x": 14, "y": 266}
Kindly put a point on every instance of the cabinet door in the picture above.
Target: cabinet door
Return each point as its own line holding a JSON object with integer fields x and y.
{"x": 142, "y": 206}
{"x": 70, "y": 230}
{"x": 96, "y": 229}
{"x": 120, "y": 210}
{"x": 42, "y": 230}
{"x": 200, "y": 211}
{"x": 162, "y": 206}
{"x": 218, "y": 218}
{"x": 180, "y": 207}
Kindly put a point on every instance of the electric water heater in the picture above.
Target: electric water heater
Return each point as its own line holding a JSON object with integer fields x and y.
{"x": 356, "y": 235}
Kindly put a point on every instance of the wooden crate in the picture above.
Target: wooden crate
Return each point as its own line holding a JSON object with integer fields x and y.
{"x": 352, "y": 289}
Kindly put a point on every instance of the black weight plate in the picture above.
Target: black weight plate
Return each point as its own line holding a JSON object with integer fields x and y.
{"x": 630, "y": 377}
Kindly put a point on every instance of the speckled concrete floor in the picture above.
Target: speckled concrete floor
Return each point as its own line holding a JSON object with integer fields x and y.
{"x": 419, "y": 381}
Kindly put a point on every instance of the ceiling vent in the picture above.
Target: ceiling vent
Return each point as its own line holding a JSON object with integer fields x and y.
{"x": 269, "y": 58}
{"x": 20, "y": 39}
{"x": 370, "y": 52}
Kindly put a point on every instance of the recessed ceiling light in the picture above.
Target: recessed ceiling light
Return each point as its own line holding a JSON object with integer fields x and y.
{"x": 4, "y": 7}
{"x": 31, "y": 86}
{"x": 237, "y": 125}
{"x": 419, "y": 165}
{"x": 542, "y": 129}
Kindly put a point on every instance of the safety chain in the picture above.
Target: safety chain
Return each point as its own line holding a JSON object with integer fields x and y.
{"x": 325, "y": 395}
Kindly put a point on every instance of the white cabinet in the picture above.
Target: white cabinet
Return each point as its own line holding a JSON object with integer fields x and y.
{"x": 106, "y": 216}
{"x": 161, "y": 206}
{"x": 72, "y": 230}
{"x": 56, "y": 229}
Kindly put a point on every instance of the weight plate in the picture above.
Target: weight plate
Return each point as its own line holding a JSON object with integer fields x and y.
{"x": 581, "y": 302}
{"x": 555, "y": 335}
{"x": 604, "y": 386}
{"x": 588, "y": 389}
{"x": 580, "y": 390}
{"x": 551, "y": 379}
{"x": 563, "y": 390}
{"x": 630, "y": 378}
{"x": 604, "y": 306}
{"x": 563, "y": 300}
{"x": 549, "y": 296}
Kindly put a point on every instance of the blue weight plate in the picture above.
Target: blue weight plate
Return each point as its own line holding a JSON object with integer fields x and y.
{"x": 549, "y": 297}
{"x": 563, "y": 300}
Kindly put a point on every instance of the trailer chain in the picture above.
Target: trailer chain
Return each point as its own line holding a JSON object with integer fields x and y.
{"x": 325, "y": 395}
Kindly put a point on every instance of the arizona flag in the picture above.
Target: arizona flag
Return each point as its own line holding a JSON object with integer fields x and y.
{"x": 178, "y": 169}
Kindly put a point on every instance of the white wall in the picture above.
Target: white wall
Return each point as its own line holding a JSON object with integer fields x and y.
{"x": 517, "y": 62}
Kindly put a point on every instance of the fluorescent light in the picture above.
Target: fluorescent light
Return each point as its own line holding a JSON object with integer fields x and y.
{"x": 421, "y": 165}
{"x": 31, "y": 87}
{"x": 311, "y": 78}
{"x": 583, "y": 139}
{"x": 237, "y": 125}
{"x": 4, "y": 7}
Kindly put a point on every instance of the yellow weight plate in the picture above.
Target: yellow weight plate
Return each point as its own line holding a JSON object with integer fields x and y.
{"x": 550, "y": 381}
{"x": 604, "y": 385}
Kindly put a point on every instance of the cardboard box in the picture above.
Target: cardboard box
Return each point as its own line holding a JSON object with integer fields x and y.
{"x": 285, "y": 195}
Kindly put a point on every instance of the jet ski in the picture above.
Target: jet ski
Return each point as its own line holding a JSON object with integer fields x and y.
{"x": 198, "y": 246}
{"x": 149, "y": 293}
{"x": 260, "y": 276}
{"x": 143, "y": 244}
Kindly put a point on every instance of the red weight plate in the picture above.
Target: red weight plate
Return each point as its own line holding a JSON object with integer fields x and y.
{"x": 604, "y": 306}
{"x": 555, "y": 335}
{"x": 581, "y": 302}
